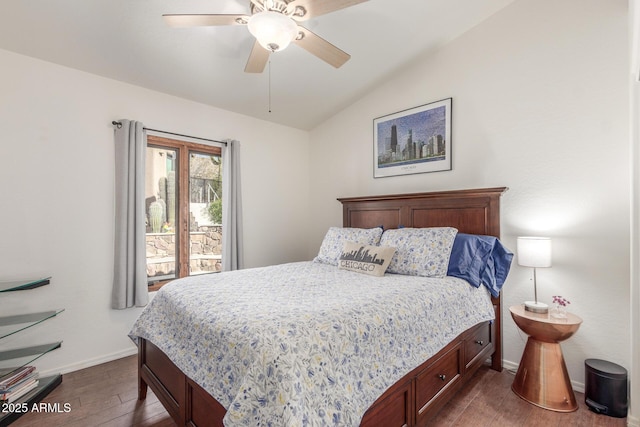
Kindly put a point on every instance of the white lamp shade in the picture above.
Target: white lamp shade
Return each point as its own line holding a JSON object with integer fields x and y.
{"x": 534, "y": 251}
{"x": 274, "y": 31}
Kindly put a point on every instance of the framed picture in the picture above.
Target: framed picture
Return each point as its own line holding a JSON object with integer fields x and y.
{"x": 417, "y": 140}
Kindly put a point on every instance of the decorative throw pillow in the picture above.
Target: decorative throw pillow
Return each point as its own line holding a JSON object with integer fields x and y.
{"x": 333, "y": 242}
{"x": 420, "y": 251}
{"x": 367, "y": 259}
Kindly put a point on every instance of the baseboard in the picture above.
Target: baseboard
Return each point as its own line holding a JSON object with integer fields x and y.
{"x": 91, "y": 362}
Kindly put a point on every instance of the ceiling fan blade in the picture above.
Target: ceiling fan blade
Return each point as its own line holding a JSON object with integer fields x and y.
{"x": 315, "y": 8}
{"x": 321, "y": 48}
{"x": 257, "y": 59}
{"x": 182, "y": 21}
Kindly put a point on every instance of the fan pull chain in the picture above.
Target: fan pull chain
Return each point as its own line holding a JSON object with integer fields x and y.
{"x": 269, "y": 85}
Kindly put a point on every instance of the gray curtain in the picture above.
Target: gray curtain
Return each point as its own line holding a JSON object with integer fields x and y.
{"x": 232, "y": 256}
{"x": 130, "y": 275}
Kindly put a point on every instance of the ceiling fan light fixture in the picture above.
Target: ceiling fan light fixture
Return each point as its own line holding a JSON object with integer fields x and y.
{"x": 273, "y": 30}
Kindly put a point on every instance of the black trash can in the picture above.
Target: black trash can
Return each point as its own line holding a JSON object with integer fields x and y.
{"x": 606, "y": 388}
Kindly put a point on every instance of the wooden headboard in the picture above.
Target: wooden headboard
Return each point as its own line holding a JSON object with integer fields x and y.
{"x": 470, "y": 211}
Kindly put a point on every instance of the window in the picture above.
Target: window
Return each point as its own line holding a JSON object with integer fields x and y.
{"x": 183, "y": 201}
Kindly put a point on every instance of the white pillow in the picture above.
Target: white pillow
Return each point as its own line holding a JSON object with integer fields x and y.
{"x": 367, "y": 259}
{"x": 333, "y": 242}
{"x": 420, "y": 251}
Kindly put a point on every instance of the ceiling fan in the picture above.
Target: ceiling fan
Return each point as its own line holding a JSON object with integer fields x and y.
{"x": 274, "y": 24}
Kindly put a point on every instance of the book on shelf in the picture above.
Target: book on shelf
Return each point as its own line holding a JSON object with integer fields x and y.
{"x": 20, "y": 390}
{"x": 16, "y": 382}
{"x": 11, "y": 376}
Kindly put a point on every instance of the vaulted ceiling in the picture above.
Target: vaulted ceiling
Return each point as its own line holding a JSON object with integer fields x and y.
{"x": 128, "y": 40}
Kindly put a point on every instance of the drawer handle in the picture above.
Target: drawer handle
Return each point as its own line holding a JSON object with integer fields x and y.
{"x": 442, "y": 377}
{"x": 479, "y": 342}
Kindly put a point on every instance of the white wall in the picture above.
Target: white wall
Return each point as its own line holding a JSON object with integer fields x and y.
{"x": 56, "y": 196}
{"x": 540, "y": 105}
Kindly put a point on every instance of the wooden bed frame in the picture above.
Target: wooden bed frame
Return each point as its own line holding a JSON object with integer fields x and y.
{"x": 420, "y": 394}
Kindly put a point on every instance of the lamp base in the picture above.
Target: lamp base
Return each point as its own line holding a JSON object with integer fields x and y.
{"x": 536, "y": 307}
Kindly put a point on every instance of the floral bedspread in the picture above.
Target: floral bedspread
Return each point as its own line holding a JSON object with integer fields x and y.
{"x": 305, "y": 344}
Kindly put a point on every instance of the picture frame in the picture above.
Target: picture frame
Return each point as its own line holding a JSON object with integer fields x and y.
{"x": 417, "y": 140}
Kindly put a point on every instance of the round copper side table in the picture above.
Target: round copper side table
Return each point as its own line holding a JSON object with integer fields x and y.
{"x": 542, "y": 377}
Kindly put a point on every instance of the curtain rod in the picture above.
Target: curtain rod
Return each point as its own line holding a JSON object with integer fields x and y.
{"x": 119, "y": 125}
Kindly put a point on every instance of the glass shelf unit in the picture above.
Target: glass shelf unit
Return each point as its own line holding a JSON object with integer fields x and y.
{"x": 21, "y": 285}
{"x": 10, "y": 325}
{"x": 14, "y": 359}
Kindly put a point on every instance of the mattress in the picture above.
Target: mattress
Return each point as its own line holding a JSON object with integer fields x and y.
{"x": 305, "y": 344}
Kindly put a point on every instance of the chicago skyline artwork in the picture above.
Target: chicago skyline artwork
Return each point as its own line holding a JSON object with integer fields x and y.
{"x": 417, "y": 140}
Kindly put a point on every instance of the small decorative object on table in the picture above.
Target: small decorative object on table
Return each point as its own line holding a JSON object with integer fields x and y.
{"x": 560, "y": 309}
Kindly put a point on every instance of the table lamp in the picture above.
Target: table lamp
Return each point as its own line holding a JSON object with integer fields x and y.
{"x": 534, "y": 252}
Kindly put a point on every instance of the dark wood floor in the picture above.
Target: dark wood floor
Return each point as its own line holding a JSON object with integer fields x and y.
{"x": 106, "y": 395}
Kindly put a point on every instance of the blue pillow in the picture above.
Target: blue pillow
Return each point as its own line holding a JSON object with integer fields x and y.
{"x": 480, "y": 260}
